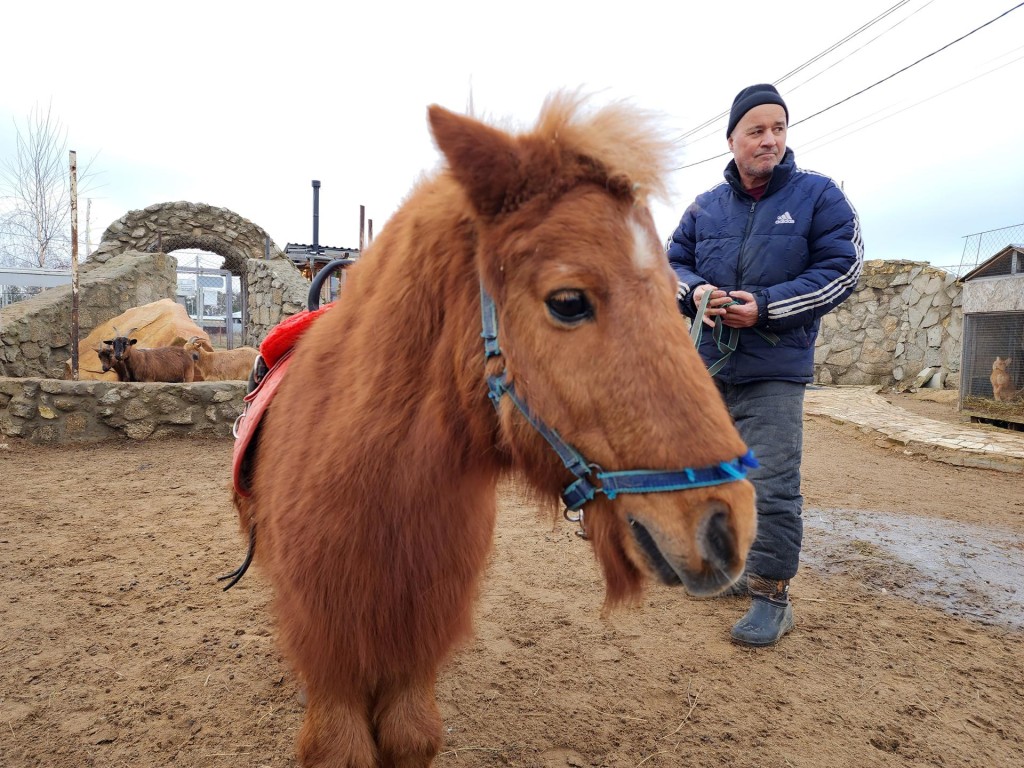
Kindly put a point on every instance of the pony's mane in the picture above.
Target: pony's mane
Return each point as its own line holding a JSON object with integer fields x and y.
{"x": 628, "y": 141}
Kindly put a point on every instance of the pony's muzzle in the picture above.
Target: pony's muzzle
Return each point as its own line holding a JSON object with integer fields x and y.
{"x": 708, "y": 557}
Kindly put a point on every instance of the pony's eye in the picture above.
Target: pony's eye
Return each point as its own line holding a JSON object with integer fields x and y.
{"x": 569, "y": 306}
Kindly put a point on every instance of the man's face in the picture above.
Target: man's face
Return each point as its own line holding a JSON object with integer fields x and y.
{"x": 758, "y": 142}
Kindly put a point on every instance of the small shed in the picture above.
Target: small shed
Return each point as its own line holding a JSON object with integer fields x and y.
{"x": 992, "y": 362}
{"x": 310, "y": 259}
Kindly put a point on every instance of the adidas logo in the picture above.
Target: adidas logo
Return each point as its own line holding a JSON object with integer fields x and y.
{"x": 785, "y": 218}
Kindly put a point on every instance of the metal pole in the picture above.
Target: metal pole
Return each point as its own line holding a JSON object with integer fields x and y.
{"x": 88, "y": 221}
{"x": 199, "y": 296}
{"x": 316, "y": 227}
{"x": 362, "y": 221}
{"x": 74, "y": 265}
{"x": 229, "y": 310}
{"x": 369, "y": 239}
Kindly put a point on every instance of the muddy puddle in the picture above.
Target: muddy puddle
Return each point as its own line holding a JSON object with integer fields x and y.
{"x": 966, "y": 570}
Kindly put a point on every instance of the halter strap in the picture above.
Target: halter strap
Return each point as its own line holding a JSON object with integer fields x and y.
{"x": 591, "y": 479}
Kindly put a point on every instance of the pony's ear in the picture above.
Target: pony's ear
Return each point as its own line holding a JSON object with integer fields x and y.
{"x": 483, "y": 160}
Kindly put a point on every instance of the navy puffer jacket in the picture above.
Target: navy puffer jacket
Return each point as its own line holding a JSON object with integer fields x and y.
{"x": 798, "y": 250}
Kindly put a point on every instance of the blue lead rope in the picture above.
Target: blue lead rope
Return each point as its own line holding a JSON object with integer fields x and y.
{"x": 590, "y": 478}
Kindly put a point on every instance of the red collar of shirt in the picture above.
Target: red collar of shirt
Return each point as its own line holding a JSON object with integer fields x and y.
{"x": 758, "y": 191}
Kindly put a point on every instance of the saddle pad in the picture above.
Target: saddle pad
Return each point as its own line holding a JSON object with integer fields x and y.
{"x": 256, "y": 404}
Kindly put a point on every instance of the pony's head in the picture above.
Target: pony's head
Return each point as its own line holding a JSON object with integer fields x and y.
{"x": 591, "y": 337}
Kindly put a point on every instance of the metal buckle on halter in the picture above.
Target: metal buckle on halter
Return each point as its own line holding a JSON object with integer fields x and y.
{"x": 574, "y": 512}
{"x": 576, "y": 518}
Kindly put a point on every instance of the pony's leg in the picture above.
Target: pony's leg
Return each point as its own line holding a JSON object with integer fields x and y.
{"x": 336, "y": 734}
{"x": 408, "y": 725}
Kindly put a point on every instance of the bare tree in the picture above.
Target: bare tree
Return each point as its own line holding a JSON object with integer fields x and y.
{"x": 35, "y": 190}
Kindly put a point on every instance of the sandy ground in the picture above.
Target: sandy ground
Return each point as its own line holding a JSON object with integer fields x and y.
{"x": 120, "y": 649}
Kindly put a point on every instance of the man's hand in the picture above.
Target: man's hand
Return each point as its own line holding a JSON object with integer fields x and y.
{"x": 714, "y": 308}
{"x": 743, "y": 313}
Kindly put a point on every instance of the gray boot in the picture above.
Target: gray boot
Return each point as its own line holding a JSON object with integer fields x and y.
{"x": 770, "y": 615}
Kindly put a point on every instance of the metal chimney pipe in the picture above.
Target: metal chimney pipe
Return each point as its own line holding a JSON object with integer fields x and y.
{"x": 316, "y": 226}
{"x": 362, "y": 227}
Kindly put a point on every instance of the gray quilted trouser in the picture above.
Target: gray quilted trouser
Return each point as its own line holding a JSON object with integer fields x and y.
{"x": 769, "y": 416}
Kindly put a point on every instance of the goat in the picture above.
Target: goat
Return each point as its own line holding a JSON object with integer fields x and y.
{"x": 223, "y": 365}
{"x": 105, "y": 352}
{"x": 171, "y": 364}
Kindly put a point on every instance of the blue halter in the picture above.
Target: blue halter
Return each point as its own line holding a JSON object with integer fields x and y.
{"x": 590, "y": 478}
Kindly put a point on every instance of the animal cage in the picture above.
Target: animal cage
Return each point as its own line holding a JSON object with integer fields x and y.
{"x": 992, "y": 362}
{"x": 992, "y": 349}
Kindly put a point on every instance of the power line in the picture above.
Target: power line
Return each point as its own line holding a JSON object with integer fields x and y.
{"x": 901, "y": 71}
{"x": 873, "y": 85}
{"x": 811, "y": 146}
{"x": 807, "y": 63}
{"x": 714, "y": 124}
{"x": 847, "y": 39}
{"x": 858, "y": 50}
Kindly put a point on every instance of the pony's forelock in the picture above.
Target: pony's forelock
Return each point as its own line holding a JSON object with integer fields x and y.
{"x": 628, "y": 141}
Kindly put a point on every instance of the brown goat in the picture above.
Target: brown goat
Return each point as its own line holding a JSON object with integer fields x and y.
{"x": 223, "y": 365}
{"x": 105, "y": 352}
{"x": 172, "y": 364}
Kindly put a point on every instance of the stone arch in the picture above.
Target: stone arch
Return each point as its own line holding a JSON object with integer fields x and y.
{"x": 166, "y": 227}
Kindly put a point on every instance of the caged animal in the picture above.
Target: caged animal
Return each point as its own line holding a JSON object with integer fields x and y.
{"x": 172, "y": 364}
{"x": 370, "y": 499}
{"x": 1002, "y": 384}
{"x": 221, "y": 365}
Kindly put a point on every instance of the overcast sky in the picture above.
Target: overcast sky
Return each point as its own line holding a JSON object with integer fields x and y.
{"x": 239, "y": 106}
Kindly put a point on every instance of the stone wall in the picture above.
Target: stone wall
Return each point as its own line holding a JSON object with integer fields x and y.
{"x": 51, "y": 411}
{"x": 276, "y": 290}
{"x": 903, "y": 317}
{"x": 35, "y": 335}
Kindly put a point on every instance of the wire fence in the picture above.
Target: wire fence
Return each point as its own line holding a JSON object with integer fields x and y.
{"x": 982, "y": 246}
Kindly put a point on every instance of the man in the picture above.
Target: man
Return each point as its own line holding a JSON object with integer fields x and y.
{"x": 768, "y": 252}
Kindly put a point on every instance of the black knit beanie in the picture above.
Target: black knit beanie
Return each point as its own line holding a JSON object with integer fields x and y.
{"x": 750, "y": 97}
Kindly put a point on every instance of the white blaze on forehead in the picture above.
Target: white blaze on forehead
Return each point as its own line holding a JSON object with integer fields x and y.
{"x": 647, "y": 253}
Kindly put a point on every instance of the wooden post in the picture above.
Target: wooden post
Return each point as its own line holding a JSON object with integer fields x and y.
{"x": 74, "y": 265}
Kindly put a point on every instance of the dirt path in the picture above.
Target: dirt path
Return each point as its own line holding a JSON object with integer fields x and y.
{"x": 119, "y": 649}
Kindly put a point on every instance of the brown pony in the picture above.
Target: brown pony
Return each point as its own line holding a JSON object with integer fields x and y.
{"x": 373, "y": 488}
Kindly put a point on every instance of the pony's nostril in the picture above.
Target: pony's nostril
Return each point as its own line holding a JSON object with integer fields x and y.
{"x": 717, "y": 540}
{"x": 655, "y": 558}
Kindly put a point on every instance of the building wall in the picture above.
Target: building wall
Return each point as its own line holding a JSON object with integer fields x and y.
{"x": 994, "y": 294}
